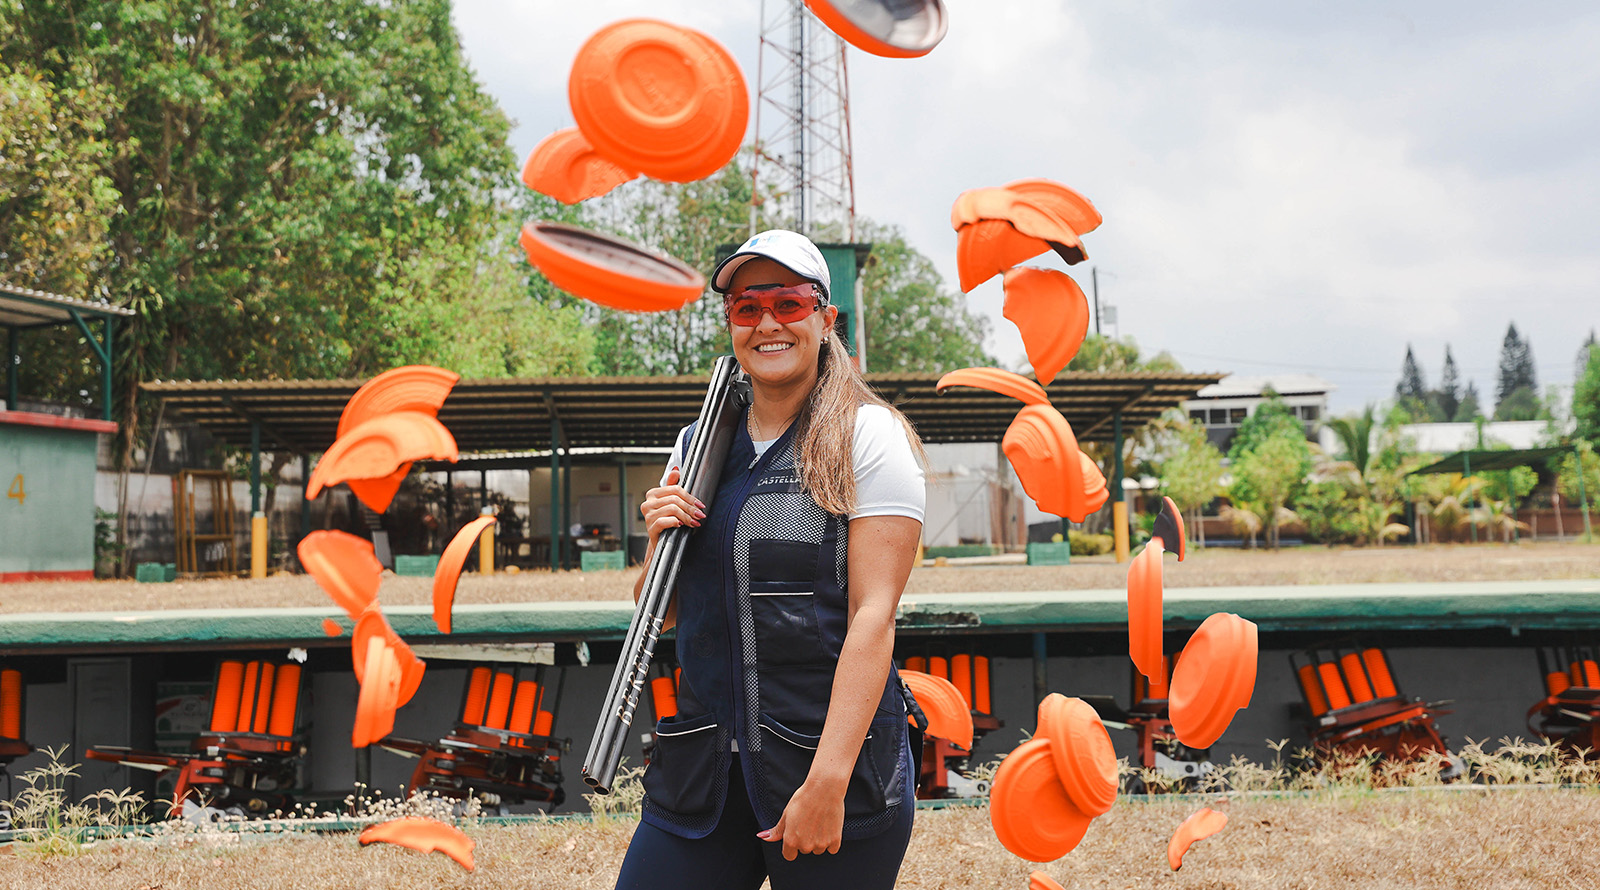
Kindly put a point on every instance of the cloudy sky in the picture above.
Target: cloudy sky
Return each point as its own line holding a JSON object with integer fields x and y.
{"x": 1287, "y": 186}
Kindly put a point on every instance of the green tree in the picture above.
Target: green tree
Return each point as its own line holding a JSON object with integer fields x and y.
{"x": 1412, "y": 390}
{"x": 1586, "y": 401}
{"x": 1191, "y": 472}
{"x": 1101, "y": 353}
{"x": 1468, "y": 410}
{"x": 1355, "y": 437}
{"x": 915, "y": 323}
{"x": 1521, "y": 404}
{"x": 1447, "y": 398}
{"x": 1270, "y": 460}
{"x": 1582, "y": 361}
{"x": 1516, "y": 371}
{"x": 1567, "y": 476}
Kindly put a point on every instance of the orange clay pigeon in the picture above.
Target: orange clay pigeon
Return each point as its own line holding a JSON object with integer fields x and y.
{"x": 448, "y": 574}
{"x": 345, "y": 567}
{"x": 1052, "y": 313}
{"x": 566, "y": 167}
{"x": 892, "y": 30}
{"x": 1038, "y": 880}
{"x": 1031, "y": 813}
{"x": 1195, "y": 828}
{"x": 408, "y": 388}
{"x": 373, "y": 626}
{"x": 331, "y": 627}
{"x": 380, "y": 695}
{"x": 1039, "y": 442}
{"x": 997, "y": 228}
{"x": 1070, "y": 206}
{"x": 1215, "y": 677}
{"x": 1145, "y": 593}
{"x": 609, "y": 271}
{"x": 949, "y": 717}
{"x": 667, "y": 101}
{"x": 1095, "y": 490}
{"x": 377, "y": 448}
{"x": 1081, "y": 748}
{"x": 423, "y": 835}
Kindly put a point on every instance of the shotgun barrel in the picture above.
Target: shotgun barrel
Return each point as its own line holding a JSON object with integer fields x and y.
{"x": 702, "y": 467}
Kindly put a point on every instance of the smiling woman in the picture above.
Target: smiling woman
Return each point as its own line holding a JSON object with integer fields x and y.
{"x": 790, "y": 736}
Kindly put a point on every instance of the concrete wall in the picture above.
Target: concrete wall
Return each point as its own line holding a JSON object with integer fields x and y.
{"x": 46, "y": 499}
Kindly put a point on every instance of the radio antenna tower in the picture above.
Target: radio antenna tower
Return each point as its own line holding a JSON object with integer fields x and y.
{"x": 802, "y": 128}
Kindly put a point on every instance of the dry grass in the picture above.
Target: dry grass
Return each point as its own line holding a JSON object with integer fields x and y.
{"x": 1419, "y": 840}
{"x": 1209, "y": 568}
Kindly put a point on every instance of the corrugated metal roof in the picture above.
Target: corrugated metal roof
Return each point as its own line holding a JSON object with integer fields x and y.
{"x": 489, "y": 416}
{"x": 24, "y": 307}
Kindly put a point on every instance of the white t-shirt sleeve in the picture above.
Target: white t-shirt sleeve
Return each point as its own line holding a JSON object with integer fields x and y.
{"x": 889, "y": 481}
{"x": 675, "y": 462}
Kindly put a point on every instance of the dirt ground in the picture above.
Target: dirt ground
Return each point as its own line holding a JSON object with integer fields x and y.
{"x": 1208, "y": 568}
{"x": 1420, "y": 840}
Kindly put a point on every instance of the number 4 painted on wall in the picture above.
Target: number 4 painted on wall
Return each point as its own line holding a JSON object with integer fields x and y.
{"x": 17, "y": 491}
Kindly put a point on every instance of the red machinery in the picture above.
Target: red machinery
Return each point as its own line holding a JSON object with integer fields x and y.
{"x": 501, "y": 751}
{"x": 1355, "y": 707}
{"x": 1146, "y": 718}
{"x": 1569, "y": 714}
{"x": 12, "y": 744}
{"x": 248, "y": 759}
{"x": 944, "y": 764}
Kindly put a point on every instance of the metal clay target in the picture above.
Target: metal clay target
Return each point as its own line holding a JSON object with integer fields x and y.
{"x": 896, "y": 29}
{"x": 664, "y": 100}
{"x": 609, "y": 271}
{"x": 1030, "y": 811}
{"x": 1214, "y": 679}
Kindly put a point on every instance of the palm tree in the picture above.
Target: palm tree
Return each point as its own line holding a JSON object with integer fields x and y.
{"x": 1355, "y": 435}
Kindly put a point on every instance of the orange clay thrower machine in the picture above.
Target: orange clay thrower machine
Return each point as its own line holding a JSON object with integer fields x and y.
{"x": 502, "y": 751}
{"x": 1569, "y": 714}
{"x": 1354, "y": 707}
{"x": 248, "y": 759}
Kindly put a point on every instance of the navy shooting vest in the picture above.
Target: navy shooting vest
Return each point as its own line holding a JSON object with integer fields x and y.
{"x": 762, "y": 602}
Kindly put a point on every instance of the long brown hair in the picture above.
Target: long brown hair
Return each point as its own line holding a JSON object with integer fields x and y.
{"x": 825, "y": 430}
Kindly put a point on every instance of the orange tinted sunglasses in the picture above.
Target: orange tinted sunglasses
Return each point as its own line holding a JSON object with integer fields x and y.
{"x": 788, "y": 305}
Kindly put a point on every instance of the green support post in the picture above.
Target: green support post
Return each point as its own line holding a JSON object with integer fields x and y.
{"x": 1116, "y": 457}
{"x": 1466, "y": 464}
{"x": 483, "y": 488}
{"x": 566, "y": 500}
{"x": 105, "y": 365}
{"x": 305, "y": 505}
{"x": 255, "y": 467}
{"x": 1583, "y": 496}
{"x": 14, "y": 350}
{"x": 555, "y": 494}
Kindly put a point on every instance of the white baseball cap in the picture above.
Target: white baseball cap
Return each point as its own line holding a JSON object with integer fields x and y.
{"x": 791, "y": 250}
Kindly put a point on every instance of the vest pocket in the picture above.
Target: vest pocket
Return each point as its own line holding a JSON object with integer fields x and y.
{"x": 875, "y": 783}
{"x": 682, "y": 776}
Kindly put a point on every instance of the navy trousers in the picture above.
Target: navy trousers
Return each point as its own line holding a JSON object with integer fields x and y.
{"x": 733, "y": 858}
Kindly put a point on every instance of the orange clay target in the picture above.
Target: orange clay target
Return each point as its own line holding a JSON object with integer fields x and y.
{"x": 1195, "y": 828}
{"x": 667, "y": 101}
{"x": 344, "y": 566}
{"x": 1030, "y": 811}
{"x": 949, "y": 718}
{"x": 423, "y": 835}
{"x": 373, "y": 627}
{"x": 1082, "y": 752}
{"x": 1072, "y": 207}
{"x": 609, "y": 271}
{"x": 997, "y": 228}
{"x": 1144, "y": 610}
{"x": 1052, "y": 313}
{"x": 1215, "y": 677}
{"x": 566, "y": 167}
{"x": 378, "y": 447}
{"x": 448, "y": 574}
{"x": 894, "y": 29}
{"x": 380, "y": 696}
{"x": 1038, "y": 880}
{"x": 331, "y": 627}
{"x": 1095, "y": 490}
{"x": 409, "y": 388}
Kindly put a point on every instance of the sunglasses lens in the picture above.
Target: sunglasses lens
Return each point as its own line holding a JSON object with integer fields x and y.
{"x": 745, "y": 313}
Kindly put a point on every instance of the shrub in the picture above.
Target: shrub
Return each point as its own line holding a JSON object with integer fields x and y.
{"x": 1085, "y": 544}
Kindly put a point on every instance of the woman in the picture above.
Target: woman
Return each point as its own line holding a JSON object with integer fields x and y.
{"x": 789, "y": 755}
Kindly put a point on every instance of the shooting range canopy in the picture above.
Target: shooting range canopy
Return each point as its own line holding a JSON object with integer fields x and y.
{"x": 518, "y": 415}
{"x": 22, "y": 307}
{"x": 1480, "y": 461}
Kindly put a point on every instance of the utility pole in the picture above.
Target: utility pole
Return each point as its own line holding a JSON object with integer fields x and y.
{"x": 1094, "y": 286}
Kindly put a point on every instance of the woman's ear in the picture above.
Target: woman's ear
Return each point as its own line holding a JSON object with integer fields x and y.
{"x": 830, "y": 317}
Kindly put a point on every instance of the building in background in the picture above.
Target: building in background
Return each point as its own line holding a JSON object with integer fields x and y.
{"x": 1223, "y": 406}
